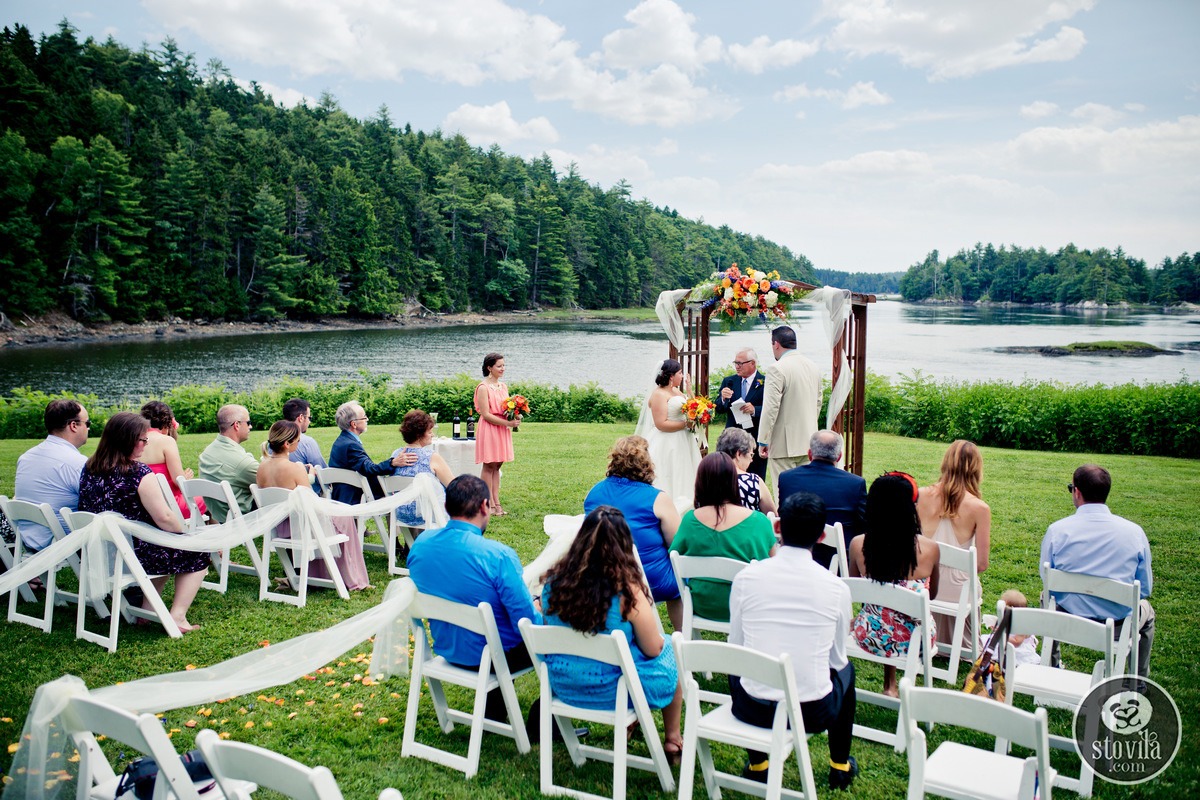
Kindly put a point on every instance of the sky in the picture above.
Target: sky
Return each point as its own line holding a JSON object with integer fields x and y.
{"x": 860, "y": 133}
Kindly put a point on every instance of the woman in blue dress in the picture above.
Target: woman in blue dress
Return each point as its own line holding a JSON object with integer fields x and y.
{"x": 597, "y": 588}
{"x": 649, "y": 512}
{"x": 417, "y": 428}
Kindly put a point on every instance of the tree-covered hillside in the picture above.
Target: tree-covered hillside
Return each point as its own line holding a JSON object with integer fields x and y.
{"x": 865, "y": 282}
{"x": 134, "y": 186}
{"x": 1068, "y": 276}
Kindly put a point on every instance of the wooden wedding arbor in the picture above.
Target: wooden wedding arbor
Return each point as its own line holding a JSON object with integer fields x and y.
{"x": 853, "y": 342}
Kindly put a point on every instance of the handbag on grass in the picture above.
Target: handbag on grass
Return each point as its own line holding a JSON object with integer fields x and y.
{"x": 986, "y": 676}
{"x": 141, "y": 773}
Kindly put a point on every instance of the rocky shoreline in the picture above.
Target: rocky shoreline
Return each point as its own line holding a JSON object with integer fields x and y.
{"x": 57, "y": 329}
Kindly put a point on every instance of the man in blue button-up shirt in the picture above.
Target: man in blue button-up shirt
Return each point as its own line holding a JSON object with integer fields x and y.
{"x": 49, "y": 472}
{"x": 1095, "y": 541}
{"x": 457, "y": 563}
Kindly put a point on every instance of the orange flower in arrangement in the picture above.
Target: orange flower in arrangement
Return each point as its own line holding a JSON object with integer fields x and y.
{"x": 698, "y": 411}
{"x": 516, "y": 407}
{"x": 737, "y": 296}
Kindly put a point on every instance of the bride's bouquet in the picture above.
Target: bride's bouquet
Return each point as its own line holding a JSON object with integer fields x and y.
{"x": 698, "y": 411}
{"x": 516, "y": 407}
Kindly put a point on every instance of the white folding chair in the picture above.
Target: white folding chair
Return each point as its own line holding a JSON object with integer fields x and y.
{"x": 234, "y": 764}
{"x": 917, "y": 661}
{"x": 6, "y": 557}
{"x": 123, "y": 569}
{"x": 492, "y": 673}
{"x": 328, "y": 476}
{"x": 544, "y": 640}
{"x": 1127, "y": 594}
{"x": 704, "y": 567}
{"x": 222, "y": 492}
{"x": 960, "y": 771}
{"x": 42, "y": 514}
{"x": 305, "y": 542}
{"x": 835, "y": 537}
{"x": 85, "y": 717}
{"x": 785, "y": 737}
{"x": 965, "y": 611}
{"x": 1052, "y": 686}
{"x": 391, "y": 484}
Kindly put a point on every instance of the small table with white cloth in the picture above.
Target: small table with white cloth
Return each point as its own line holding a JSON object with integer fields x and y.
{"x": 459, "y": 455}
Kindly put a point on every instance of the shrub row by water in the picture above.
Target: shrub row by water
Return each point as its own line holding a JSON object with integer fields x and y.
{"x": 1141, "y": 419}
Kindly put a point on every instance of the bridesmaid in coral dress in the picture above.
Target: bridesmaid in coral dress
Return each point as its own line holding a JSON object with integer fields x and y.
{"x": 493, "y": 436}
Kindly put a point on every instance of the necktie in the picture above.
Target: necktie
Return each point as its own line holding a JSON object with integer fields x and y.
{"x": 745, "y": 387}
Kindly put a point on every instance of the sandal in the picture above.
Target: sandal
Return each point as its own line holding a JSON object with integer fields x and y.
{"x": 673, "y": 748}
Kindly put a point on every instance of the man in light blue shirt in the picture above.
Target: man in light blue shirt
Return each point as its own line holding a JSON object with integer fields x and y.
{"x": 308, "y": 452}
{"x": 457, "y": 563}
{"x": 1095, "y": 541}
{"x": 49, "y": 472}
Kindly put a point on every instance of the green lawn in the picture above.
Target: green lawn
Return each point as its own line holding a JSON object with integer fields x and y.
{"x": 556, "y": 463}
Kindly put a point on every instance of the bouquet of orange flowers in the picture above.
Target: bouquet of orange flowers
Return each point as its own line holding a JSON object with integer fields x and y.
{"x": 739, "y": 296}
{"x": 515, "y": 407}
{"x": 698, "y": 411}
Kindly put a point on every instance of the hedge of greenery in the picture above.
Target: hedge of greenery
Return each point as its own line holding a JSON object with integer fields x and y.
{"x": 1139, "y": 419}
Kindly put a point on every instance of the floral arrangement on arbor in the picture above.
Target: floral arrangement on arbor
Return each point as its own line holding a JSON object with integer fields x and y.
{"x": 516, "y": 407}
{"x": 698, "y": 411}
{"x": 738, "y": 296}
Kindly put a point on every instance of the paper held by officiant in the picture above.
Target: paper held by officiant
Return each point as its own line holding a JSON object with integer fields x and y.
{"x": 740, "y": 417}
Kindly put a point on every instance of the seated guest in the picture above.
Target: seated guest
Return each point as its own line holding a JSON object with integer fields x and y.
{"x": 952, "y": 512}
{"x": 417, "y": 429}
{"x": 649, "y": 512}
{"x": 1095, "y": 541}
{"x": 718, "y": 526}
{"x": 226, "y": 460}
{"x": 790, "y": 604}
{"x": 739, "y": 445}
{"x": 348, "y": 453}
{"x": 114, "y": 480}
{"x": 297, "y": 410}
{"x": 844, "y": 493}
{"x": 457, "y": 563}
{"x": 278, "y": 470}
{"x": 49, "y": 471}
{"x": 892, "y": 550}
{"x": 162, "y": 451}
{"x": 597, "y": 588}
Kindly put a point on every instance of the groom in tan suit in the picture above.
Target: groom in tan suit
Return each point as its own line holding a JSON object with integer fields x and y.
{"x": 791, "y": 402}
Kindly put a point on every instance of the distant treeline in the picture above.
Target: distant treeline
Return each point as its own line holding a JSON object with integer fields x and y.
{"x": 132, "y": 187}
{"x": 865, "y": 282}
{"x": 1068, "y": 276}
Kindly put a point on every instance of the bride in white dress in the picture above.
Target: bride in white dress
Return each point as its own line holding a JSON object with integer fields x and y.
{"x": 673, "y": 448}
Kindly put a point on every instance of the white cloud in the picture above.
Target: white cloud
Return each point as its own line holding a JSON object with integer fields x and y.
{"x": 605, "y": 165}
{"x": 1171, "y": 148}
{"x": 665, "y": 147}
{"x": 762, "y": 54}
{"x": 1039, "y": 109}
{"x": 287, "y": 98}
{"x": 1097, "y": 114}
{"x": 495, "y": 123}
{"x": 860, "y": 94}
{"x": 873, "y": 165}
{"x": 1134, "y": 108}
{"x": 952, "y": 39}
{"x": 661, "y": 33}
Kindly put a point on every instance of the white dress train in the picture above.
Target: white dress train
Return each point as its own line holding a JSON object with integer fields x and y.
{"x": 676, "y": 454}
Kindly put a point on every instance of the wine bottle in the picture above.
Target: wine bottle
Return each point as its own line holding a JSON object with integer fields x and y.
{"x": 457, "y": 427}
{"x": 471, "y": 426}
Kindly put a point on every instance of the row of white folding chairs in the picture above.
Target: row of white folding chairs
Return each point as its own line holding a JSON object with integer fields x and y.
{"x": 238, "y": 769}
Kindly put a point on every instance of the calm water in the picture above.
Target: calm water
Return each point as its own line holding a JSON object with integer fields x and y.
{"x": 944, "y": 342}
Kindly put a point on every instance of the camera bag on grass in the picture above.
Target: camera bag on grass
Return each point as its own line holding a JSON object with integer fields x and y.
{"x": 141, "y": 773}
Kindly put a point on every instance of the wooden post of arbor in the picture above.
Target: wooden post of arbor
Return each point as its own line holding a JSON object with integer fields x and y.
{"x": 850, "y": 422}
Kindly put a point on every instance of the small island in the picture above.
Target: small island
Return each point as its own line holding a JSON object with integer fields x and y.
{"x": 1132, "y": 349}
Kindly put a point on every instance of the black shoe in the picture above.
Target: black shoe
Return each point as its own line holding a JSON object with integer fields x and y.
{"x": 841, "y": 779}
{"x": 759, "y": 775}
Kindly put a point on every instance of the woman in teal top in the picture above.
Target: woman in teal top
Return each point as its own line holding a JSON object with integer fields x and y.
{"x": 597, "y": 588}
{"x": 720, "y": 526}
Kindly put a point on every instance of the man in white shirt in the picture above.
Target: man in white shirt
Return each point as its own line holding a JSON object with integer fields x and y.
{"x": 790, "y": 604}
{"x": 49, "y": 472}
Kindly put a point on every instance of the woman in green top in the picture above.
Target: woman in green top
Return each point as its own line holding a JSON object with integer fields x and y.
{"x": 720, "y": 526}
